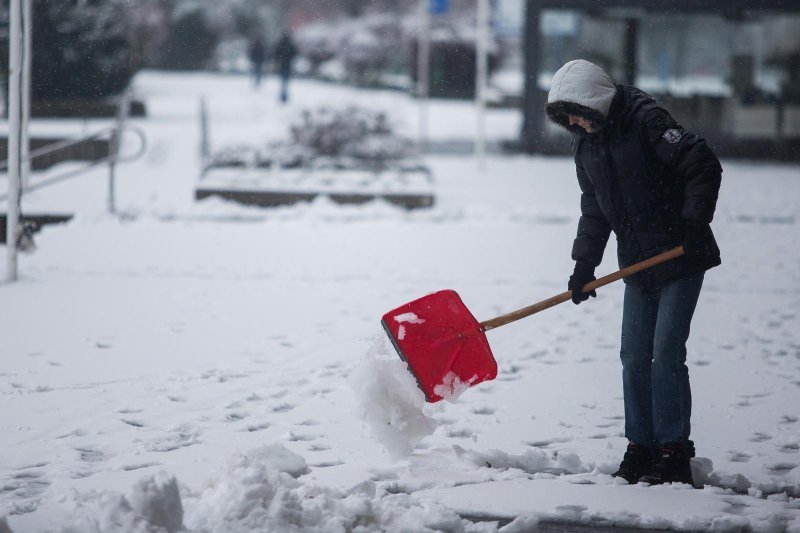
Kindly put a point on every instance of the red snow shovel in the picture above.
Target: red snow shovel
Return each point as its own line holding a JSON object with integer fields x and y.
{"x": 445, "y": 347}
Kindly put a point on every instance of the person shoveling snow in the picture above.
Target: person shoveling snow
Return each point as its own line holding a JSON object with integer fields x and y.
{"x": 656, "y": 186}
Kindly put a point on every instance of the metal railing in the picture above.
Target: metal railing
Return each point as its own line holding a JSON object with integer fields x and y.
{"x": 115, "y": 135}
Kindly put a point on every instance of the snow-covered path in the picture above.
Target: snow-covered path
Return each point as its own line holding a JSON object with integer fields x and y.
{"x": 185, "y": 337}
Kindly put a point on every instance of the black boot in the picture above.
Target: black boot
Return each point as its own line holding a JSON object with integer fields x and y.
{"x": 673, "y": 465}
{"x": 637, "y": 461}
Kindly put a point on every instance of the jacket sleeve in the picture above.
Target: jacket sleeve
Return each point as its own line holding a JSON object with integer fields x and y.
{"x": 593, "y": 228}
{"x": 691, "y": 159}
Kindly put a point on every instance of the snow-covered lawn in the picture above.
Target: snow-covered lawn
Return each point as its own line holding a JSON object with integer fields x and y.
{"x": 206, "y": 365}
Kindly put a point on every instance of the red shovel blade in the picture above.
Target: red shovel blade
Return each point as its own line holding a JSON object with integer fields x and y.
{"x": 436, "y": 335}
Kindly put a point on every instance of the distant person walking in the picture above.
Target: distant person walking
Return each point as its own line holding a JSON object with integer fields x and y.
{"x": 285, "y": 51}
{"x": 257, "y": 53}
{"x": 655, "y": 185}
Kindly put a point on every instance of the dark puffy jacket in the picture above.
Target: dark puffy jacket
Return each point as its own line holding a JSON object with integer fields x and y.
{"x": 644, "y": 177}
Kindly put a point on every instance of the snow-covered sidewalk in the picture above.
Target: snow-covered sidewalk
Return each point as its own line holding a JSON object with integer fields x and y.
{"x": 195, "y": 364}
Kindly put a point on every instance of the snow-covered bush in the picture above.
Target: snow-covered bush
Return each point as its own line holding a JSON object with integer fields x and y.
{"x": 333, "y": 138}
{"x": 350, "y": 133}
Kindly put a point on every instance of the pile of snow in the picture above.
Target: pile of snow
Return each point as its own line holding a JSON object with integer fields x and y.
{"x": 152, "y": 505}
{"x": 389, "y": 400}
{"x": 261, "y": 490}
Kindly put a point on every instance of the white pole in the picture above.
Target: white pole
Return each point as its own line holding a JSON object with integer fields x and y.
{"x": 14, "y": 112}
{"x": 27, "y": 56}
{"x": 123, "y": 105}
{"x": 423, "y": 70}
{"x": 481, "y": 70}
{"x": 205, "y": 143}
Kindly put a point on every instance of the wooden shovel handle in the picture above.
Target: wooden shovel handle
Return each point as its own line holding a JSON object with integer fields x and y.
{"x": 564, "y": 296}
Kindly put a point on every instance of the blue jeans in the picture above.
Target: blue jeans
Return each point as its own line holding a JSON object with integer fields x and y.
{"x": 655, "y": 379}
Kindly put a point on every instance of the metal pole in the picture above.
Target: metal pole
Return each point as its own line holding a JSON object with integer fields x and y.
{"x": 481, "y": 73}
{"x": 532, "y": 135}
{"x": 205, "y": 143}
{"x": 27, "y": 55}
{"x": 14, "y": 133}
{"x": 423, "y": 70}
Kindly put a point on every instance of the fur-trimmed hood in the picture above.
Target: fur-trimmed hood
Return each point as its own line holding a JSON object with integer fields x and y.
{"x": 583, "y": 89}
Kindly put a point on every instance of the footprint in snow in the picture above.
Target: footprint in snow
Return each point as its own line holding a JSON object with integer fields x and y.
{"x": 739, "y": 457}
{"x": 760, "y": 437}
{"x": 483, "y": 411}
{"x": 129, "y": 411}
{"x": 235, "y": 416}
{"x": 138, "y": 466}
{"x": 781, "y": 469}
{"x": 300, "y": 437}
{"x": 77, "y": 432}
{"x": 133, "y": 423}
{"x": 326, "y": 464}
{"x": 182, "y": 438}
{"x": 318, "y": 448}
{"x": 790, "y": 447}
{"x": 512, "y": 369}
{"x": 89, "y": 455}
{"x": 257, "y": 427}
{"x": 537, "y": 355}
{"x": 788, "y": 419}
{"x": 460, "y": 434}
{"x": 25, "y": 484}
{"x": 606, "y": 426}
{"x": 282, "y": 408}
{"x": 746, "y": 398}
{"x": 547, "y": 442}
{"x": 82, "y": 473}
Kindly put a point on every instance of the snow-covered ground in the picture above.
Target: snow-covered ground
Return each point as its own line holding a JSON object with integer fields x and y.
{"x": 214, "y": 367}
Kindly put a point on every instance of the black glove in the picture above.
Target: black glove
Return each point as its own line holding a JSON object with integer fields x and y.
{"x": 583, "y": 274}
{"x": 695, "y": 242}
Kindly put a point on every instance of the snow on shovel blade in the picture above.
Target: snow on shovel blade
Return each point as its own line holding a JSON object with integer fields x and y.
{"x": 442, "y": 343}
